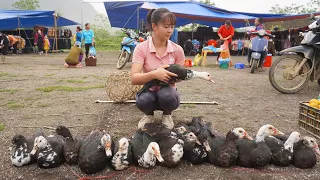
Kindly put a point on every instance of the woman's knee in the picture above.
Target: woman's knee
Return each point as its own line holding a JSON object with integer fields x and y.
{"x": 168, "y": 95}
{"x": 145, "y": 100}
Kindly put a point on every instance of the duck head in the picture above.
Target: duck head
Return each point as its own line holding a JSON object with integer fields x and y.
{"x": 63, "y": 131}
{"x": 39, "y": 143}
{"x": 239, "y": 133}
{"x": 19, "y": 140}
{"x": 267, "y": 130}
{"x": 191, "y": 137}
{"x": 203, "y": 75}
{"x": 154, "y": 149}
{"x": 293, "y": 138}
{"x": 312, "y": 143}
{"x": 106, "y": 143}
{"x": 181, "y": 130}
{"x": 123, "y": 144}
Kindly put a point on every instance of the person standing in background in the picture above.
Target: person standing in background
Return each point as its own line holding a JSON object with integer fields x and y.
{"x": 39, "y": 41}
{"x": 4, "y": 43}
{"x": 226, "y": 32}
{"x": 46, "y": 44}
{"x": 78, "y": 35}
{"x": 13, "y": 42}
{"x": 88, "y": 38}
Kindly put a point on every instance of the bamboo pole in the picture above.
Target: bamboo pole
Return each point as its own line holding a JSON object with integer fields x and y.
{"x": 181, "y": 102}
{"x": 55, "y": 30}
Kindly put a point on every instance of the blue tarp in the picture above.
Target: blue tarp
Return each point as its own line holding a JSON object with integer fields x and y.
{"x": 9, "y": 19}
{"x": 126, "y": 14}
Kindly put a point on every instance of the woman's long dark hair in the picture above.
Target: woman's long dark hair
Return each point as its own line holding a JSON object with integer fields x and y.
{"x": 161, "y": 15}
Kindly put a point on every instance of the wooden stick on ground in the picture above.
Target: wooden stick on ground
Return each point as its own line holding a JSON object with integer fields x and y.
{"x": 182, "y": 102}
{"x": 48, "y": 127}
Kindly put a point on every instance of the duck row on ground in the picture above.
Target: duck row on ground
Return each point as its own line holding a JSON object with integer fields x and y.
{"x": 196, "y": 142}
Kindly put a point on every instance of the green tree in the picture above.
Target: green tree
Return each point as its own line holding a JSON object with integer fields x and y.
{"x": 208, "y": 2}
{"x": 310, "y": 7}
{"x": 26, "y": 4}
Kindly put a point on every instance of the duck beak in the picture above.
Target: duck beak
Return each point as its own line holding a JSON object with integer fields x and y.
{"x": 277, "y": 132}
{"x": 317, "y": 151}
{"x": 108, "y": 149}
{"x": 246, "y": 136}
{"x": 159, "y": 157}
{"x": 198, "y": 142}
{"x": 211, "y": 80}
{"x": 34, "y": 150}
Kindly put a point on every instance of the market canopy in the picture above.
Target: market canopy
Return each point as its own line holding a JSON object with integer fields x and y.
{"x": 128, "y": 13}
{"x": 13, "y": 19}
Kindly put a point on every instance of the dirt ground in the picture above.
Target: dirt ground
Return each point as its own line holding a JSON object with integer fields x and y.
{"x": 38, "y": 91}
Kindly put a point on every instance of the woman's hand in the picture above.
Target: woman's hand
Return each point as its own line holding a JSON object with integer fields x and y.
{"x": 162, "y": 74}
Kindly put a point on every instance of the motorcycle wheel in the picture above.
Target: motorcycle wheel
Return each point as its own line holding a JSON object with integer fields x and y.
{"x": 287, "y": 76}
{"x": 254, "y": 65}
{"x": 123, "y": 59}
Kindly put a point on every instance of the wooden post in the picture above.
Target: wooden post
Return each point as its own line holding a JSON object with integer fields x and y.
{"x": 55, "y": 30}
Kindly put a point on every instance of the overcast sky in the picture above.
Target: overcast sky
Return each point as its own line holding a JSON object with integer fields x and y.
{"x": 255, "y": 6}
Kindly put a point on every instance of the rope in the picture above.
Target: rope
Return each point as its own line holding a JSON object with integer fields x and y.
{"x": 133, "y": 169}
{"x": 90, "y": 178}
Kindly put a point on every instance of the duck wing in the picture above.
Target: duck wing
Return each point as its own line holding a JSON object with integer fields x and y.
{"x": 274, "y": 144}
{"x": 92, "y": 157}
{"x": 261, "y": 156}
{"x": 139, "y": 142}
{"x": 303, "y": 157}
{"x": 223, "y": 152}
{"x": 171, "y": 151}
{"x": 156, "y": 131}
{"x": 245, "y": 148}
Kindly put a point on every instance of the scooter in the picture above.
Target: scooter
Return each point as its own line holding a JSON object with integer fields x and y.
{"x": 127, "y": 47}
{"x": 305, "y": 64}
{"x": 259, "y": 48}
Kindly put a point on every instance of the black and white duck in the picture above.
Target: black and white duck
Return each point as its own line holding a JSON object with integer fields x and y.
{"x": 203, "y": 131}
{"x": 20, "y": 152}
{"x": 145, "y": 151}
{"x": 50, "y": 151}
{"x": 122, "y": 157}
{"x": 255, "y": 153}
{"x": 171, "y": 149}
{"x": 224, "y": 151}
{"x": 193, "y": 150}
{"x": 183, "y": 74}
{"x": 71, "y": 145}
{"x": 282, "y": 152}
{"x": 95, "y": 152}
{"x": 305, "y": 153}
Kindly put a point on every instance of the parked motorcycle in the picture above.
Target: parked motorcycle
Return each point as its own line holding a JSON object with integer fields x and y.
{"x": 297, "y": 65}
{"x": 259, "y": 48}
{"x": 127, "y": 47}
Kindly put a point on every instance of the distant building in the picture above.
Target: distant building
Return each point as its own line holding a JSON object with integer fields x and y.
{"x": 70, "y": 9}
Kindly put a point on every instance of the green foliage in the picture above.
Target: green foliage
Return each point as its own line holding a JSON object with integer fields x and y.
{"x": 104, "y": 40}
{"x": 14, "y": 105}
{"x": 309, "y": 7}
{"x": 26, "y": 4}
{"x": 68, "y": 88}
{"x": 2, "y": 127}
{"x": 11, "y": 91}
{"x": 189, "y": 28}
{"x": 208, "y": 2}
